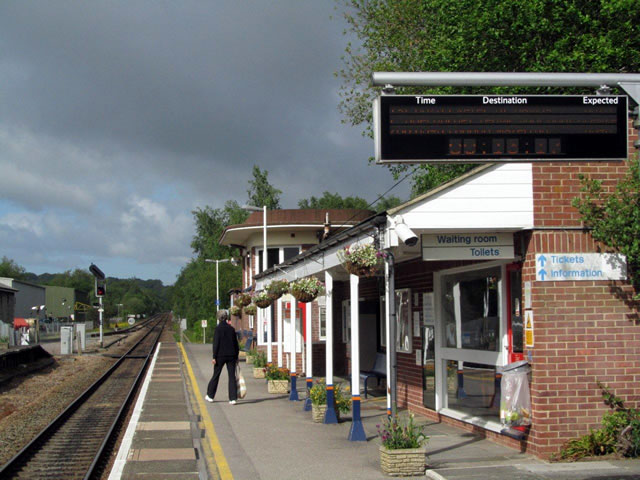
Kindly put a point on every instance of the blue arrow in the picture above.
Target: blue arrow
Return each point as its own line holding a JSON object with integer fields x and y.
{"x": 542, "y": 274}
{"x": 542, "y": 259}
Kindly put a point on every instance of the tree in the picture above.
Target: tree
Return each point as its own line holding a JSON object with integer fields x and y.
{"x": 210, "y": 223}
{"x": 333, "y": 201}
{"x": 615, "y": 217}
{"x": 336, "y": 201}
{"x": 480, "y": 36}
{"x": 261, "y": 192}
{"x": 10, "y": 269}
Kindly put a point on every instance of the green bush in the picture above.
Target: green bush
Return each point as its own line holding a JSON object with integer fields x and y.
{"x": 397, "y": 435}
{"x": 260, "y": 360}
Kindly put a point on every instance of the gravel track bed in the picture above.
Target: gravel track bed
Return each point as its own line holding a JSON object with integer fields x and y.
{"x": 29, "y": 403}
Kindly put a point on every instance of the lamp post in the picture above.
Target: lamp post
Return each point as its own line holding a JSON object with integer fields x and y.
{"x": 209, "y": 260}
{"x": 253, "y": 208}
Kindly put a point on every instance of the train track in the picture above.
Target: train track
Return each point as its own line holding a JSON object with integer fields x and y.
{"x": 72, "y": 445}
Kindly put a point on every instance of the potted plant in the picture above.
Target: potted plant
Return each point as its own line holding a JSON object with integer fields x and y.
{"x": 251, "y": 309}
{"x": 242, "y": 300}
{"x": 361, "y": 260}
{"x": 259, "y": 364}
{"x": 403, "y": 449}
{"x": 4, "y": 343}
{"x": 306, "y": 289}
{"x": 251, "y": 356}
{"x": 277, "y": 288}
{"x": 277, "y": 379}
{"x": 318, "y": 395}
{"x": 262, "y": 299}
{"x": 235, "y": 310}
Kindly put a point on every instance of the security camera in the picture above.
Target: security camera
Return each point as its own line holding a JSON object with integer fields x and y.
{"x": 408, "y": 237}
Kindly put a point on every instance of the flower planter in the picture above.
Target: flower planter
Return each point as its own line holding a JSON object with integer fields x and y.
{"x": 278, "y": 386}
{"x": 404, "y": 462}
{"x": 303, "y": 296}
{"x": 258, "y": 372}
{"x": 249, "y": 359}
{"x": 360, "y": 271}
{"x": 263, "y": 303}
{"x": 318, "y": 411}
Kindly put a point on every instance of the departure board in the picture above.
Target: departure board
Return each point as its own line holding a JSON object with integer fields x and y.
{"x": 495, "y": 128}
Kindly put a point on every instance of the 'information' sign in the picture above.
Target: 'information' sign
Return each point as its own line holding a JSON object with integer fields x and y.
{"x": 562, "y": 267}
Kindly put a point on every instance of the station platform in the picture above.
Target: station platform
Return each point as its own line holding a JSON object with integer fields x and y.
{"x": 177, "y": 434}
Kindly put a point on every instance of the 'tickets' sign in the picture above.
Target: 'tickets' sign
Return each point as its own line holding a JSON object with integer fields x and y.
{"x": 467, "y": 246}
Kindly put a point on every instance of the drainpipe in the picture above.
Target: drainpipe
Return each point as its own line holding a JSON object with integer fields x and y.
{"x": 392, "y": 364}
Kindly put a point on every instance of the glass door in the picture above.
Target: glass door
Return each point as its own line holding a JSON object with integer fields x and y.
{"x": 471, "y": 337}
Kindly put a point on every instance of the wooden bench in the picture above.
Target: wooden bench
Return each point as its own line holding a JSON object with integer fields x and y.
{"x": 378, "y": 371}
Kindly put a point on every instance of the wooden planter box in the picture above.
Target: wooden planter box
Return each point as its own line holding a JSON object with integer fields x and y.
{"x": 406, "y": 462}
{"x": 258, "y": 372}
{"x": 278, "y": 386}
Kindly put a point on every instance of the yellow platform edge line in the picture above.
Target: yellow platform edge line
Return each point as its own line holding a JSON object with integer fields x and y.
{"x": 214, "y": 443}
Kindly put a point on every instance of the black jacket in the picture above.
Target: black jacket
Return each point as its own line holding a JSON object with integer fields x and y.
{"x": 225, "y": 343}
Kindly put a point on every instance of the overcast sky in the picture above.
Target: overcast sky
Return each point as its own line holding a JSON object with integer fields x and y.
{"x": 117, "y": 119}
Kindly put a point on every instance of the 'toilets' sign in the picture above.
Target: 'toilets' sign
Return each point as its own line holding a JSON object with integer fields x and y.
{"x": 562, "y": 267}
{"x": 467, "y": 246}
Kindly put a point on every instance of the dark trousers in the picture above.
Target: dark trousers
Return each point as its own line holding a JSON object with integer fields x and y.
{"x": 231, "y": 371}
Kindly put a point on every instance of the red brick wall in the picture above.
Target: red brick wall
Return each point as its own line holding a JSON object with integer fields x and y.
{"x": 584, "y": 331}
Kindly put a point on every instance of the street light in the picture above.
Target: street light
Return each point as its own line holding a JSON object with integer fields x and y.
{"x": 209, "y": 260}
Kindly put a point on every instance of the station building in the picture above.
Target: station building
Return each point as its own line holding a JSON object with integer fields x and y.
{"x": 492, "y": 268}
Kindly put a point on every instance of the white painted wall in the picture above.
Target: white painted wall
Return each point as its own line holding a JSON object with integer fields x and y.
{"x": 498, "y": 198}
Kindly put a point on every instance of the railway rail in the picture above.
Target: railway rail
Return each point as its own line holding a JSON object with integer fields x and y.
{"x": 72, "y": 445}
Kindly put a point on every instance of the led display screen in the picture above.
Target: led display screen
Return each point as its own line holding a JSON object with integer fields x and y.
{"x": 478, "y": 128}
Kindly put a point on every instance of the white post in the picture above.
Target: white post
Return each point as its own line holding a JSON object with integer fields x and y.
{"x": 355, "y": 336}
{"x": 309, "y": 356}
{"x": 294, "y": 392}
{"x": 267, "y": 312}
{"x": 292, "y": 336}
{"x": 330, "y": 413}
{"x": 356, "y": 433}
{"x": 328, "y": 285}
{"x": 280, "y": 331}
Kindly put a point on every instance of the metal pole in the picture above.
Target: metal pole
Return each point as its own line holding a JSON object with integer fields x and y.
{"x": 391, "y": 346}
{"x": 100, "y": 310}
{"x": 217, "y": 289}
{"x": 522, "y": 79}
{"x": 268, "y": 311}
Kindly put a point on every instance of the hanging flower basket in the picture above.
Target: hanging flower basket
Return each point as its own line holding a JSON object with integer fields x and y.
{"x": 251, "y": 309}
{"x": 262, "y": 299}
{"x": 362, "y": 260}
{"x": 242, "y": 300}
{"x": 277, "y": 288}
{"x": 236, "y": 311}
{"x": 306, "y": 289}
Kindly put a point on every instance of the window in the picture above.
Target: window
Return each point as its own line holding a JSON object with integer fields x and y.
{"x": 471, "y": 310}
{"x": 275, "y": 256}
{"x": 404, "y": 334}
{"x": 322, "y": 317}
{"x": 346, "y": 321}
{"x": 383, "y": 322}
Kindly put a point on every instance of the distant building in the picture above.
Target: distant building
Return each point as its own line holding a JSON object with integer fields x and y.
{"x": 7, "y": 307}
{"x": 28, "y": 295}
